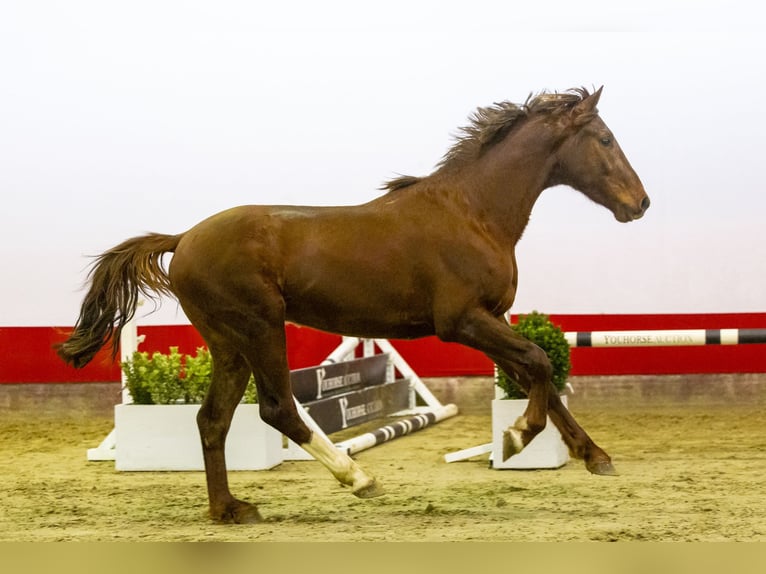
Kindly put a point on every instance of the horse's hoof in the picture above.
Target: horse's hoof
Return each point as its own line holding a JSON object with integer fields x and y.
{"x": 602, "y": 468}
{"x": 370, "y": 490}
{"x": 250, "y": 516}
{"x": 512, "y": 443}
{"x": 238, "y": 513}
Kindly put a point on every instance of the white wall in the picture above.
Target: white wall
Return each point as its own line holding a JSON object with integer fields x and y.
{"x": 121, "y": 118}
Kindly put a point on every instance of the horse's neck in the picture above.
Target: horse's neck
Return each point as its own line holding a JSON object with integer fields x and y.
{"x": 504, "y": 185}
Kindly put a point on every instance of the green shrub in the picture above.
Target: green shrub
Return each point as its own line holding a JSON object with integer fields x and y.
{"x": 198, "y": 371}
{"x": 538, "y": 328}
{"x": 137, "y": 377}
{"x": 173, "y": 378}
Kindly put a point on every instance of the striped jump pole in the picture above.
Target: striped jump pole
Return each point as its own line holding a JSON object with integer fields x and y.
{"x": 394, "y": 430}
{"x": 665, "y": 338}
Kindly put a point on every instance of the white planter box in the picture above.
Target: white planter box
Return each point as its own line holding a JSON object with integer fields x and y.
{"x": 165, "y": 437}
{"x": 547, "y": 449}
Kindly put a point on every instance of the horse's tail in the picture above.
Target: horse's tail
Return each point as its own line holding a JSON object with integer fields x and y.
{"x": 117, "y": 278}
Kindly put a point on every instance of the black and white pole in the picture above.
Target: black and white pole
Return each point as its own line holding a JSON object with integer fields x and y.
{"x": 397, "y": 429}
{"x": 665, "y": 338}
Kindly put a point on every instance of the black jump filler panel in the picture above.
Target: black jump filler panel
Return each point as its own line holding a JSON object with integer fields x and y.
{"x": 349, "y": 409}
{"x": 314, "y": 383}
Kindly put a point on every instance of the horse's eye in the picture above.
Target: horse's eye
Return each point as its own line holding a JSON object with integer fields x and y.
{"x": 606, "y": 141}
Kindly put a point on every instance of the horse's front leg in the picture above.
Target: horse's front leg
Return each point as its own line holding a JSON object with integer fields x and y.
{"x": 580, "y": 445}
{"x": 515, "y": 354}
{"x": 533, "y": 371}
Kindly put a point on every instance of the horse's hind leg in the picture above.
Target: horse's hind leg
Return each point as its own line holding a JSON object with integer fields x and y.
{"x": 229, "y": 380}
{"x": 267, "y": 355}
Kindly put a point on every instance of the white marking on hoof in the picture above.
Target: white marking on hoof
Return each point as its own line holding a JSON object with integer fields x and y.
{"x": 343, "y": 467}
{"x": 512, "y": 443}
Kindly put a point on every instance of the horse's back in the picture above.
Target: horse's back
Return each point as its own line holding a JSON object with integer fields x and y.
{"x": 374, "y": 270}
{"x": 334, "y": 268}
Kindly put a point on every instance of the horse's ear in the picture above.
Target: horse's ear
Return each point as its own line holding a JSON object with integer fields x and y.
{"x": 586, "y": 109}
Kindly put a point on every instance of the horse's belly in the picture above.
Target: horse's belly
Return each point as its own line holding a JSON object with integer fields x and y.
{"x": 359, "y": 318}
{"x": 366, "y": 329}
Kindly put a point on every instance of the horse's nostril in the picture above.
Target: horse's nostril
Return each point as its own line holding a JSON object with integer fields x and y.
{"x": 645, "y": 203}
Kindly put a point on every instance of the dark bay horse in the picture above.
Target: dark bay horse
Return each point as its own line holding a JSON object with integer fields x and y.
{"x": 432, "y": 256}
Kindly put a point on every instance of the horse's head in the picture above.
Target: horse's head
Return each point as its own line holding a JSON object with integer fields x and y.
{"x": 591, "y": 161}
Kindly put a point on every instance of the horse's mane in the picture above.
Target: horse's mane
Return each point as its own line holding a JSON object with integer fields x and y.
{"x": 491, "y": 124}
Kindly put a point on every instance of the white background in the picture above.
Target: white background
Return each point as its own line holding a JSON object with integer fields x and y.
{"x": 118, "y": 118}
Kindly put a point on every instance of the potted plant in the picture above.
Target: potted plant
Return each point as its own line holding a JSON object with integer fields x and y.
{"x": 547, "y": 449}
{"x": 158, "y": 430}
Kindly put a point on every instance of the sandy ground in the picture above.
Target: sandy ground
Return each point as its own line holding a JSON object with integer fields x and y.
{"x": 689, "y": 471}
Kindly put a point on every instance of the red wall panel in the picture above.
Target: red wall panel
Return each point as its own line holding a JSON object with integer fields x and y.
{"x": 27, "y": 355}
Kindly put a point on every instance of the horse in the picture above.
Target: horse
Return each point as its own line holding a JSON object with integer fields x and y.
{"x": 432, "y": 255}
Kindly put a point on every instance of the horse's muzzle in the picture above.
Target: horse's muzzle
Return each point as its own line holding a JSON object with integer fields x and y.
{"x": 632, "y": 213}
{"x": 645, "y": 203}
